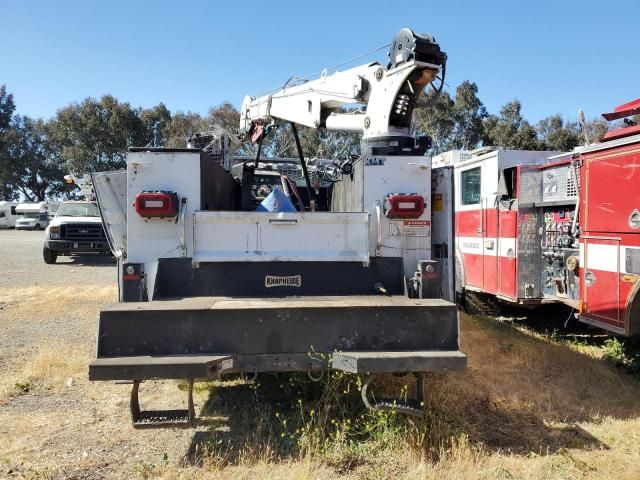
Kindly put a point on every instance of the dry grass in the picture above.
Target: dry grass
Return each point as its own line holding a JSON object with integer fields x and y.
{"x": 51, "y": 367}
{"x": 526, "y": 408}
{"x": 49, "y": 359}
{"x": 515, "y": 372}
{"x": 56, "y": 361}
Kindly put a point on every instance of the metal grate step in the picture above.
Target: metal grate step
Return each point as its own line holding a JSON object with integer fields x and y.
{"x": 162, "y": 418}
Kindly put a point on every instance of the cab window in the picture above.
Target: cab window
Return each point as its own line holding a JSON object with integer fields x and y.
{"x": 470, "y": 181}
{"x": 511, "y": 182}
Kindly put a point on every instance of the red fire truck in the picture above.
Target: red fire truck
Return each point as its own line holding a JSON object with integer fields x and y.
{"x": 545, "y": 227}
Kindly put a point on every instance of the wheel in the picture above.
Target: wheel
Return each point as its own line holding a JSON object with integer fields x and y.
{"x": 37, "y": 226}
{"x": 48, "y": 256}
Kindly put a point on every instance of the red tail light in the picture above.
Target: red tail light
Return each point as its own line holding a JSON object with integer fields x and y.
{"x": 157, "y": 204}
{"x": 401, "y": 205}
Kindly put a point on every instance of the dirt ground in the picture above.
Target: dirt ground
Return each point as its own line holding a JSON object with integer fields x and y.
{"x": 526, "y": 407}
{"x": 56, "y": 423}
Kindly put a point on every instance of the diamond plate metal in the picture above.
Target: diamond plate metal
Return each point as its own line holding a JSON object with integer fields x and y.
{"x": 561, "y": 183}
{"x": 530, "y": 190}
{"x": 529, "y": 250}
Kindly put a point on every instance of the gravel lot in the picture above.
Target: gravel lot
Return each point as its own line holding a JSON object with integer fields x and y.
{"x": 54, "y": 423}
{"x": 22, "y": 265}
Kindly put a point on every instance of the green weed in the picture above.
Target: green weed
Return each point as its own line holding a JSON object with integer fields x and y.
{"x": 25, "y": 386}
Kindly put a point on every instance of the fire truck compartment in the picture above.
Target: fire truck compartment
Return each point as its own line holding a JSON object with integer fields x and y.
{"x": 190, "y": 337}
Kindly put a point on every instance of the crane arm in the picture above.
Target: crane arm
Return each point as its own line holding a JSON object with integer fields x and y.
{"x": 387, "y": 95}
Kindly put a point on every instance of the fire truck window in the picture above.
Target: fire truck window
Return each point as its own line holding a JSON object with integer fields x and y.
{"x": 470, "y": 180}
{"x": 510, "y": 182}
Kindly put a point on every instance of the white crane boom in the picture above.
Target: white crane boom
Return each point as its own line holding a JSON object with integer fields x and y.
{"x": 387, "y": 95}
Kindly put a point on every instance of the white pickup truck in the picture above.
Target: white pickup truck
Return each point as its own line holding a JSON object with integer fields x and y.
{"x": 75, "y": 230}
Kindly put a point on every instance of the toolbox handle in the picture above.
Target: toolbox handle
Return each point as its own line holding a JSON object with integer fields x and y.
{"x": 283, "y": 221}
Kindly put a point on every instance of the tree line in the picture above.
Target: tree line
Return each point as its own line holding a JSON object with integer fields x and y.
{"x": 94, "y": 134}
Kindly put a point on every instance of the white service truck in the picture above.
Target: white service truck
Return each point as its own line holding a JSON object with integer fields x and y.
{"x": 75, "y": 230}
{"x": 246, "y": 266}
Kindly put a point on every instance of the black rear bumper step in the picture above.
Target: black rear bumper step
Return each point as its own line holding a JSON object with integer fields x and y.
{"x": 161, "y": 367}
{"x": 399, "y": 362}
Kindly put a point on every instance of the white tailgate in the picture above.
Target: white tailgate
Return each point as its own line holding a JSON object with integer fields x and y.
{"x": 268, "y": 237}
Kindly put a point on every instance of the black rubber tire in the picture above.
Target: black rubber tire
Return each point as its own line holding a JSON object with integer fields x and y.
{"x": 37, "y": 227}
{"x": 49, "y": 256}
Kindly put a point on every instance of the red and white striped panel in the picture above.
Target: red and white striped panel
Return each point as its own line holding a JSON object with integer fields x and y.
{"x": 488, "y": 243}
{"x": 605, "y": 284}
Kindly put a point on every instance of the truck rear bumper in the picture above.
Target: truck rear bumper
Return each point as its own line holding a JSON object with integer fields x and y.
{"x": 394, "y": 334}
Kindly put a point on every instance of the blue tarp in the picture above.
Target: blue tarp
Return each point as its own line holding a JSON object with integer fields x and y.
{"x": 277, "y": 201}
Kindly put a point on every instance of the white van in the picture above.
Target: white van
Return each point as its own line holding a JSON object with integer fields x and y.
{"x": 8, "y": 214}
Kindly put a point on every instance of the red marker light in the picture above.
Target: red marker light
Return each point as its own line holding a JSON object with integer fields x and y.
{"x": 400, "y": 205}
{"x": 157, "y": 204}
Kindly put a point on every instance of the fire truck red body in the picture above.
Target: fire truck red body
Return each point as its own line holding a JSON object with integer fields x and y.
{"x": 542, "y": 227}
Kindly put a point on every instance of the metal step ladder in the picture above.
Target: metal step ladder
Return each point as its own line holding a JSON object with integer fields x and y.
{"x": 181, "y": 418}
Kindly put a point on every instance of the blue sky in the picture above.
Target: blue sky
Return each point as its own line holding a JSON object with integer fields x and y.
{"x": 555, "y": 56}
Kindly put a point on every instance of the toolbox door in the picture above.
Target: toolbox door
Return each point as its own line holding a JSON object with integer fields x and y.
{"x": 111, "y": 194}
{"x": 233, "y": 236}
